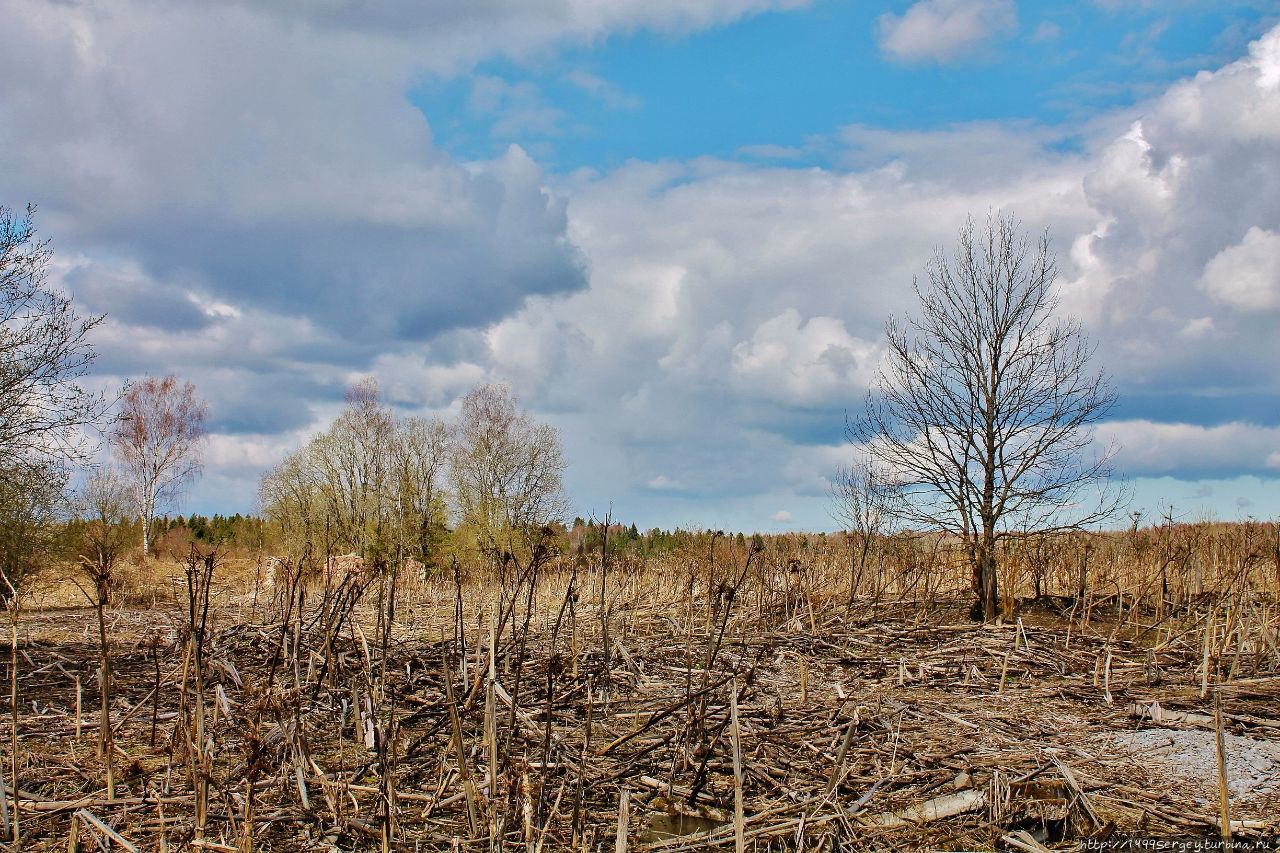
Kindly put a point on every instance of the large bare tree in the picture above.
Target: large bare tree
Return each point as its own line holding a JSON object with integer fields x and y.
{"x": 983, "y": 407}
{"x": 159, "y": 439}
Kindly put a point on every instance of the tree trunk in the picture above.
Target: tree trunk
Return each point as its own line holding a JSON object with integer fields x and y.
{"x": 989, "y": 592}
{"x": 148, "y": 510}
{"x": 975, "y": 570}
{"x": 990, "y": 596}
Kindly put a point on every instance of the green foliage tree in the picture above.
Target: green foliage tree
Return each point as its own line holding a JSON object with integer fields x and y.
{"x": 32, "y": 512}
{"x": 379, "y": 485}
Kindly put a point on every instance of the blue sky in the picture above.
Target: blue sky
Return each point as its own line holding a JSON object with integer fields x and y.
{"x": 791, "y": 79}
{"x": 675, "y": 227}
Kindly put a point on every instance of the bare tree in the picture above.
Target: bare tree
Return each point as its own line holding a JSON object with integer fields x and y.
{"x": 371, "y": 483}
{"x": 44, "y": 411}
{"x": 982, "y": 409}
{"x": 862, "y": 501}
{"x": 421, "y": 456}
{"x": 44, "y": 352}
{"x": 507, "y": 467}
{"x": 159, "y": 438}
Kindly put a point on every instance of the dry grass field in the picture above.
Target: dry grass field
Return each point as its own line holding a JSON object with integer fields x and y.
{"x": 717, "y": 695}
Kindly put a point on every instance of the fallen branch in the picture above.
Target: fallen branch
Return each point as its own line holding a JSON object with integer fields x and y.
{"x": 948, "y": 805}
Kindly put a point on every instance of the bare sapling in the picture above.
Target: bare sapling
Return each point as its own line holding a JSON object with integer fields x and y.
{"x": 103, "y": 504}
{"x": 13, "y": 603}
{"x": 199, "y": 571}
{"x": 862, "y": 503}
{"x": 603, "y": 603}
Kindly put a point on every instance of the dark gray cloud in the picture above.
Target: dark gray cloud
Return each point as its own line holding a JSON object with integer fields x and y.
{"x": 133, "y": 299}
{"x": 267, "y": 165}
{"x": 268, "y": 404}
{"x": 377, "y": 284}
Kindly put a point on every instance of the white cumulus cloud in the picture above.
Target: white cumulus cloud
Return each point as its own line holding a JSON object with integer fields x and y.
{"x": 1149, "y": 448}
{"x": 1183, "y": 246}
{"x": 802, "y": 362}
{"x": 1247, "y": 276}
{"x": 946, "y": 30}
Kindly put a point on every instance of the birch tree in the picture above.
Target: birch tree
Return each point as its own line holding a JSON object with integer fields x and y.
{"x": 159, "y": 440}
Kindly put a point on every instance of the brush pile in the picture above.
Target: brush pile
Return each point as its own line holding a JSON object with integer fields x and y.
{"x": 559, "y": 706}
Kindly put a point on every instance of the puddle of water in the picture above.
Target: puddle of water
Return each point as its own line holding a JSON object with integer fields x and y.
{"x": 663, "y": 826}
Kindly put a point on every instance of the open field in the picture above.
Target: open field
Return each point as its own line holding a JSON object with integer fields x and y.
{"x": 710, "y": 696}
